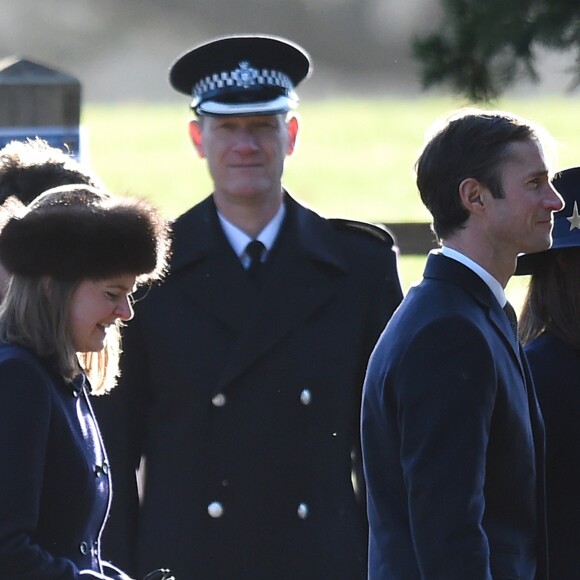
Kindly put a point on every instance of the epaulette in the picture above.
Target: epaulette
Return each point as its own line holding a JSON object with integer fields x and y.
{"x": 376, "y": 230}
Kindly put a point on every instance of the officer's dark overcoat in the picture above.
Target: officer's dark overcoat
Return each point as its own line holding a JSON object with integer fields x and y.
{"x": 244, "y": 396}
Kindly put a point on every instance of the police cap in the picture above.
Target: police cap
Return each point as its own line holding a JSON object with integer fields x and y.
{"x": 241, "y": 75}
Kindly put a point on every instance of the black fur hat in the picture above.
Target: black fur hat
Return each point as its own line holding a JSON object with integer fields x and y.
{"x": 78, "y": 232}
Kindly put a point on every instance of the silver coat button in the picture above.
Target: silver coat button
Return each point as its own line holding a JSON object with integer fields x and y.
{"x": 302, "y": 511}
{"x": 215, "y": 509}
{"x": 219, "y": 400}
{"x": 101, "y": 469}
{"x": 305, "y": 397}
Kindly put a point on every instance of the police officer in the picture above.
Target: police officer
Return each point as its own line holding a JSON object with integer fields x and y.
{"x": 242, "y": 374}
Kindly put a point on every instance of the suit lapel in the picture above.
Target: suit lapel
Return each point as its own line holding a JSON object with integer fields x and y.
{"x": 439, "y": 266}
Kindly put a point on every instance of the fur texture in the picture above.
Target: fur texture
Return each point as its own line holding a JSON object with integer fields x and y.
{"x": 77, "y": 232}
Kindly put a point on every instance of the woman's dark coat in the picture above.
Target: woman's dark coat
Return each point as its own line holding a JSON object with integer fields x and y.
{"x": 556, "y": 369}
{"x": 54, "y": 482}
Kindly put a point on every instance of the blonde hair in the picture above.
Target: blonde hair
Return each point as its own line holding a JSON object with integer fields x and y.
{"x": 35, "y": 314}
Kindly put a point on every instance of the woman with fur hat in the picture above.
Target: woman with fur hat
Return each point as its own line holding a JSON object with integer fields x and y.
{"x": 75, "y": 255}
{"x": 550, "y": 331}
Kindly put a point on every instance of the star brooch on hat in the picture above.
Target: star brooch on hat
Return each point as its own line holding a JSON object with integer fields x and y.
{"x": 574, "y": 219}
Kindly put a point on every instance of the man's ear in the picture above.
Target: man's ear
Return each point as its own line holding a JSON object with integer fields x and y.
{"x": 292, "y": 126}
{"x": 195, "y": 136}
{"x": 472, "y": 195}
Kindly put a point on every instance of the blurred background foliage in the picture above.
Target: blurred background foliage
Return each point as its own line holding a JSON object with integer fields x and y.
{"x": 121, "y": 49}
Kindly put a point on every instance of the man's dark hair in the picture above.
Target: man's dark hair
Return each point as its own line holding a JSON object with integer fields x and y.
{"x": 473, "y": 145}
{"x": 28, "y": 168}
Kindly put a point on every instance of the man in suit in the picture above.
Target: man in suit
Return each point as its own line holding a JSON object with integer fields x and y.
{"x": 452, "y": 436}
{"x": 241, "y": 385}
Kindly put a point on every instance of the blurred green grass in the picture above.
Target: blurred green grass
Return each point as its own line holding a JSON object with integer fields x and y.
{"x": 354, "y": 158}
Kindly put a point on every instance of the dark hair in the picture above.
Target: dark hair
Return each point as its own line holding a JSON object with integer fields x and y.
{"x": 474, "y": 144}
{"x": 552, "y": 302}
{"x": 27, "y": 168}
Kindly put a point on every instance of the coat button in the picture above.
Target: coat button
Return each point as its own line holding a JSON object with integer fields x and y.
{"x": 305, "y": 397}
{"x": 84, "y": 548}
{"x": 215, "y": 509}
{"x": 101, "y": 469}
{"x": 302, "y": 511}
{"x": 219, "y": 400}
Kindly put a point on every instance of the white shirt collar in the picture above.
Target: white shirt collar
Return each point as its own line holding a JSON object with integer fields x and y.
{"x": 238, "y": 239}
{"x": 491, "y": 282}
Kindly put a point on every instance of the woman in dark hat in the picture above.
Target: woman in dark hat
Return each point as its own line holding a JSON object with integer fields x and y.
{"x": 550, "y": 331}
{"x": 75, "y": 255}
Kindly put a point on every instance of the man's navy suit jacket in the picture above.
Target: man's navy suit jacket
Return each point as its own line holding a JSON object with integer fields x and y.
{"x": 453, "y": 440}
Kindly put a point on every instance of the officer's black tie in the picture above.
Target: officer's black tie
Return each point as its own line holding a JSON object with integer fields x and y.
{"x": 254, "y": 250}
{"x": 513, "y": 319}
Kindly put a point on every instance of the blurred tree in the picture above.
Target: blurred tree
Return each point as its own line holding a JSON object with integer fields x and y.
{"x": 483, "y": 47}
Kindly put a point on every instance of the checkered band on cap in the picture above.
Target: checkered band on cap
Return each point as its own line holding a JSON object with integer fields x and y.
{"x": 244, "y": 76}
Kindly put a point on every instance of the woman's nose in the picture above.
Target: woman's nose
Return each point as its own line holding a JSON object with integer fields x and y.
{"x": 124, "y": 310}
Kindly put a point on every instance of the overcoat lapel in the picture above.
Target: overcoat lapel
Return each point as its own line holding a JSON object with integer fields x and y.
{"x": 303, "y": 273}
{"x": 210, "y": 267}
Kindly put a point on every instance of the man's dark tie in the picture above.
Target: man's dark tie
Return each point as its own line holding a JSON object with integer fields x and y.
{"x": 511, "y": 315}
{"x": 254, "y": 250}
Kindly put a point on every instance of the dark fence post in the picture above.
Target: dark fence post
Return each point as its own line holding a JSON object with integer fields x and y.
{"x": 37, "y": 101}
{"x": 413, "y": 238}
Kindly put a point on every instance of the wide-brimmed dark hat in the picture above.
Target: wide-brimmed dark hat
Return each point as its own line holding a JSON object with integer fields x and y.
{"x": 566, "y": 232}
{"x": 241, "y": 75}
{"x": 78, "y": 232}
